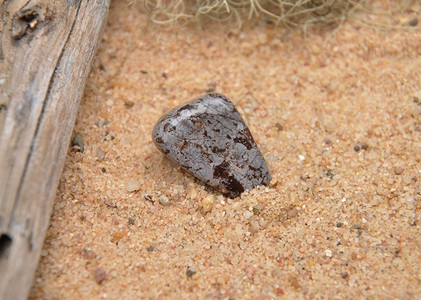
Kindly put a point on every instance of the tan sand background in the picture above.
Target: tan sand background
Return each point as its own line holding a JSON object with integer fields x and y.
{"x": 336, "y": 114}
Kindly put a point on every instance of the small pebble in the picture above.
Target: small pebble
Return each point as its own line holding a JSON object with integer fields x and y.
{"x": 254, "y": 226}
{"x": 131, "y": 221}
{"x": 413, "y": 22}
{"x": 104, "y": 170}
{"x": 279, "y": 127}
{"x": 207, "y": 203}
{"x": 100, "y": 154}
{"x": 356, "y": 226}
{"x": 273, "y": 183}
{"x": 190, "y": 272}
{"x": 163, "y": 199}
{"x": 100, "y": 275}
{"x": 88, "y": 253}
{"x": 330, "y": 175}
{"x": 331, "y": 127}
{"x": 257, "y": 209}
{"x": 150, "y": 248}
{"x": 133, "y": 186}
{"x": 328, "y": 253}
{"x": 292, "y": 212}
{"x": 301, "y": 157}
{"x": 128, "y": 104}
{"x": 356, "y": 148}
{"x": 148, "y": 197}
{"x": 78, "y": 141}
{"x": 339, "y": 224}
{"x": 364, "y": 146}
{"x": 293, "y": 281}
{"x": 247, "y": 214}
{"x": 344, "y": 275}
{"x": 398, "y": 171}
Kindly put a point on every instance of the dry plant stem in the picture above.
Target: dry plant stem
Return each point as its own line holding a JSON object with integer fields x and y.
{"x": 301, "y": 13}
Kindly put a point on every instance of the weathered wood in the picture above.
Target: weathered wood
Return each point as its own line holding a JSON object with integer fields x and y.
{"x": 46, "y": 49}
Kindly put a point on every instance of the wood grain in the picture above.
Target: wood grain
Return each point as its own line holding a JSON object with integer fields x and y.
{"x": 46, "y": 50}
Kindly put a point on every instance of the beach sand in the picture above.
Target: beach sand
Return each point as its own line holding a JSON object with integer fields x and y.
{"x": 335, "y": 112}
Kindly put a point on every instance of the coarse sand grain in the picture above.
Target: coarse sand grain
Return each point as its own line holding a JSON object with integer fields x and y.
{"x": 337, "y": 116}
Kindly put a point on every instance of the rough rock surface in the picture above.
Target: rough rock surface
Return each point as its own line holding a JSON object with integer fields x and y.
{"x": 209, "y": 139}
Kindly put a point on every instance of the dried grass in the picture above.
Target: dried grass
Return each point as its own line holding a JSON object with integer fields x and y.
{"x": 290, "y": 13}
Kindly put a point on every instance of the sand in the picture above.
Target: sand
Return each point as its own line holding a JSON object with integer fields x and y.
{"x": 337, "y": 116}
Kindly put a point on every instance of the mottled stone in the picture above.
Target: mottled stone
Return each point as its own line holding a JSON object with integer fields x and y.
{"x": 209, "y": 139}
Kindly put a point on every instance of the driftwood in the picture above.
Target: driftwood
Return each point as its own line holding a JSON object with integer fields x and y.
{"x": 46, "y": 50}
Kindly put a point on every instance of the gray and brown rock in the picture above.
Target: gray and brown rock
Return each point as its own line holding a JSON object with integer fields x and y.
{"x": 209, "y": 139}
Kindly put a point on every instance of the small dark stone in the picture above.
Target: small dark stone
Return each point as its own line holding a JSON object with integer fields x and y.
{"x": 148, "y": 197}
{"x": 128, "y": 104}
{"x": 111, "y": 205}
{"x": 344, "y": 275}
{"x": 330, "y": 175}
{"x": 356, "y": 148}
{"x": 78, "y": 141}
{"x": 328, "y": 141}
{"x": 257, "y": 209}
{"x": 131, "y": 221}
{"x": 279, "y": 127}
{"x": 143, "y": 72}
{"x": 102, "y": 67}
{"x": 150, "y": 248}
{"x": 190, "y": 272}
{"x": 339, "y": 224}
{"x": 104, "y": 170}
{"x": 209, "y": 139}
{"x": 364, "y": 146}
{"x": 164, "y": 75}
{"x": 356, "y": 226}
{"x": 413, "y": 22}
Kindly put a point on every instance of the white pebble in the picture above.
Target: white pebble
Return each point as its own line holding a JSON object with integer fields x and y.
{"x": 133, "y": 186}
{"x": 163, "y": 199}
{"x": 301, "y": 157}
{"x": 328, "y": 253}
{"x": 247, "y": 214}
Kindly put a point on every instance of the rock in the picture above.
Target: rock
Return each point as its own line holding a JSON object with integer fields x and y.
{"x": 209, "y": 139}
{"x": 207, "y": 203}
{"x": 163, "y": 199}
{"x": 100, "y": 154}
{"x": 132, "y": 186}
{"x": 100, "y": 275}
{"x": 78, "y": 141}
